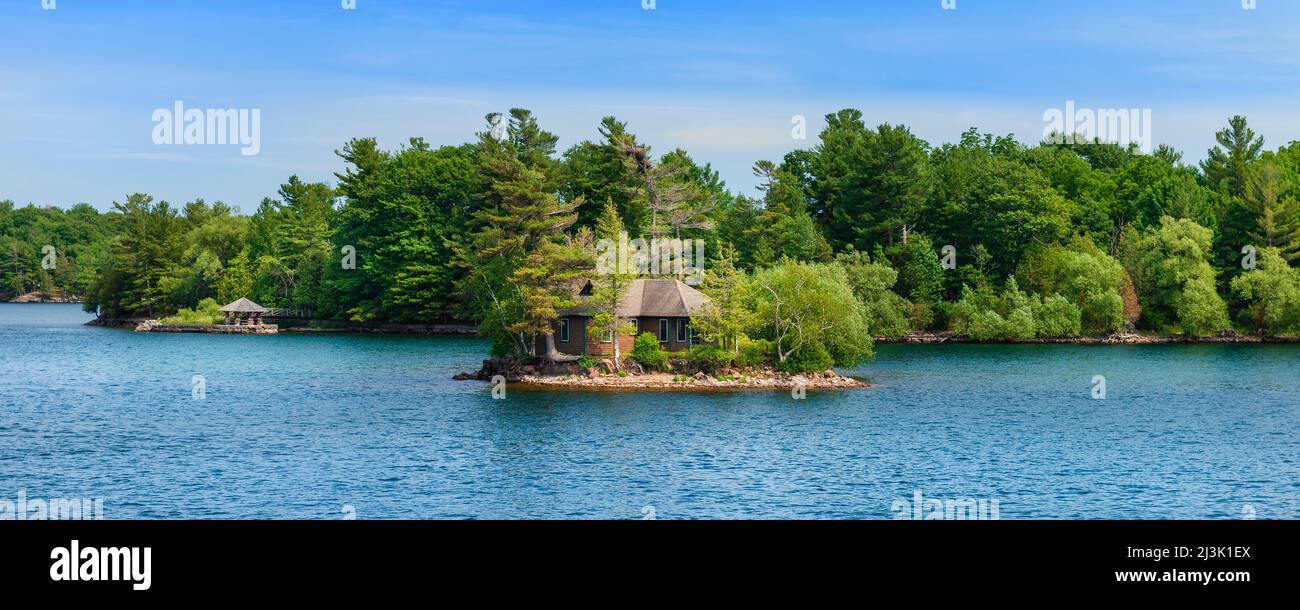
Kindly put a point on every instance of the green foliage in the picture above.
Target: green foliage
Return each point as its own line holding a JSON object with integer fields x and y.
{"x": 647, "y": 351}
{"x": 1056, "y": 317}
{"x": 208, "y": 311}
{"x": 725, "y": 317}
{"x": 985, "y": 315}
{"x": 610, "y": 282}
{"x": 920, "y": 272}
{"x": 1083, "y": 274}
{"x": 801, "y": 304}
{"x": 868, "y": 184}
{"x": 1170, "y": 268}
{"x": 711, "y": 357}
{"x": 499, "y": 231}
{"x": 872, "y": 282}
{"x": 754, "y": 353}
{"x": 811, "y": 357}
{"x": 1270, "y": 294}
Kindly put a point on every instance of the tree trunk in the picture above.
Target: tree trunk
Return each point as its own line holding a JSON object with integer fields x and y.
{"x": 554, "y": 355}
{"x": 618, "y": 357}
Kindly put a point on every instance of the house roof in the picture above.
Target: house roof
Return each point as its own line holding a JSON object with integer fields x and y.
{"x": 667, "y": 298}
{"x": 243, "y": 306}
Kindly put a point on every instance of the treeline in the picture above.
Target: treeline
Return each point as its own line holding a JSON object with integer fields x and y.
{"x": 1046, "y": 240}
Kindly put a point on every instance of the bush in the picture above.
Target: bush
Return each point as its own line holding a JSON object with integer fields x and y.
{"x": 983, "y": 315}
{"x": 710, "y": 357}
{"x": 648, "y": 353}
{"x": 207, "y": 312}
{"x": 587, "y": 362}
{"x": 754, "y": 353}
{"x": 1057, "y": 317}
{"x": 810, "y": 358}
{"x": 1270, "y": 295}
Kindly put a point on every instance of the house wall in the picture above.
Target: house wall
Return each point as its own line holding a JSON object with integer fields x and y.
{"x": 580, "y": 332}
{"x": 651, "y": 325}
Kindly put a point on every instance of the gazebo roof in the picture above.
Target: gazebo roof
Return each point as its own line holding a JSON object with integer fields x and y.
{"x": 243, "y": 306}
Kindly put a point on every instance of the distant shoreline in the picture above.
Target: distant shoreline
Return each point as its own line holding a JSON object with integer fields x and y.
{"x": 329, "y": 326}
{"x": 913, "y": 338}
{"x": 934, "y": 338}
{"x": 35, "y": 297}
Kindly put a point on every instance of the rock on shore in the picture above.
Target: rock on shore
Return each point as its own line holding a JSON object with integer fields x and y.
{"x": 570, "y": 375}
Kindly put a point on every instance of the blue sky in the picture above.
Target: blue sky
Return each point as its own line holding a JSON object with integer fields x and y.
{"x": 721, "y": 79}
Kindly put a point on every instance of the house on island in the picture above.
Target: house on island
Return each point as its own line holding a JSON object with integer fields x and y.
{"x": 662, "y": 307}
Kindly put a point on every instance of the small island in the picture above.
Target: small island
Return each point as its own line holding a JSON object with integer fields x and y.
{"x": 241, "y": 317}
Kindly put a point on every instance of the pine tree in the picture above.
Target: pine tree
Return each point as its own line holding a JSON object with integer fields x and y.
{"x": 726, "y": 315}
{"x": 611, "y": 281}
{"x": 1277, "y": 215}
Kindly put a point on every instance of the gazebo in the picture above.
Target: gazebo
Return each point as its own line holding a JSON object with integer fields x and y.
{"x": 241, "y": 310}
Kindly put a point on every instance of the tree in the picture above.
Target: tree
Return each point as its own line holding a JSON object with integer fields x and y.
{"x": 726, "y": 316}
{"x": 872, "y": 282}
{"x": 597, "y": 172}
{"x": 520, "y": 263}
{"x": 666, "y": 189}
{"x": 803, "y": 306}
{"x": 1277, "y": 223}
{"x": 1170, "y": 267}
{"x": 611, "y": 282}
{"x": 1082, "y": 273}
{"x": 1226, "y": 166}
{"x": 132, "y": 277}
{"x": 1270, "y": 294}
{"x": 870, "y": 186}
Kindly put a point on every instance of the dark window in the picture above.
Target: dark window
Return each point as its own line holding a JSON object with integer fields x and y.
{"x": 607, "y": 337}
{"x": 681, "y": 331}
{"x": 564, "y": 330}
{"x": 663, "y": 331}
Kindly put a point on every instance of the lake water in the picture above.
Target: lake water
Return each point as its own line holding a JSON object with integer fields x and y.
{"x": 302, "y": 426}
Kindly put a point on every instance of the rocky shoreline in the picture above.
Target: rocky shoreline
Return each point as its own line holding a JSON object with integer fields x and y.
{"x": 155, "y": 326}
{"x": 1113, "y": 339}
{"x": 37, "y": 297}
{"x": 602, "y": 377}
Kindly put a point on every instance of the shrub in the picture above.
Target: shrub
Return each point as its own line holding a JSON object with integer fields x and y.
{"x": 1057, "y": 317}
{"x": 1270, "y": 295}
{"x": 872, "y": 282}
{"x": 809, "y": 358}
{"x": 587, "y": 362}
{"x": 1083, "y": 274}
{"x": 648, "y": 353}
{"x": 710, "y": 357}
{"x": 207, "y": 312}
{"x": 754, "y": 353}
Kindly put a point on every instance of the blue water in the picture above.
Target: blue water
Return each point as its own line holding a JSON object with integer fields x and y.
{"x": 300, "y": 426}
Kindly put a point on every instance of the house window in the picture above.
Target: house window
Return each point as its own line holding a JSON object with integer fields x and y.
{"x": 607, "y": 337}
{"x": 564, "y": 330}
{"x": 681, "y": 331}
{"x": 663, "y": 331}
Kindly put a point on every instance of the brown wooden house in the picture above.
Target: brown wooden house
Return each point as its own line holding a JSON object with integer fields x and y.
{"x": 662, "y": 307}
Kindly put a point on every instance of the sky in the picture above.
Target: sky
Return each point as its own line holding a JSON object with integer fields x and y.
{"x": 722, "y": 79}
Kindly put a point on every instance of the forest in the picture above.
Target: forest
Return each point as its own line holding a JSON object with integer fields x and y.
{"x": 870, "y": 232}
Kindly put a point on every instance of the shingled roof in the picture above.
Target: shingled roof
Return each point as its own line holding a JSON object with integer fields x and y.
{"x": 243, "y": 306}
{"x": 664, "y": 298}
